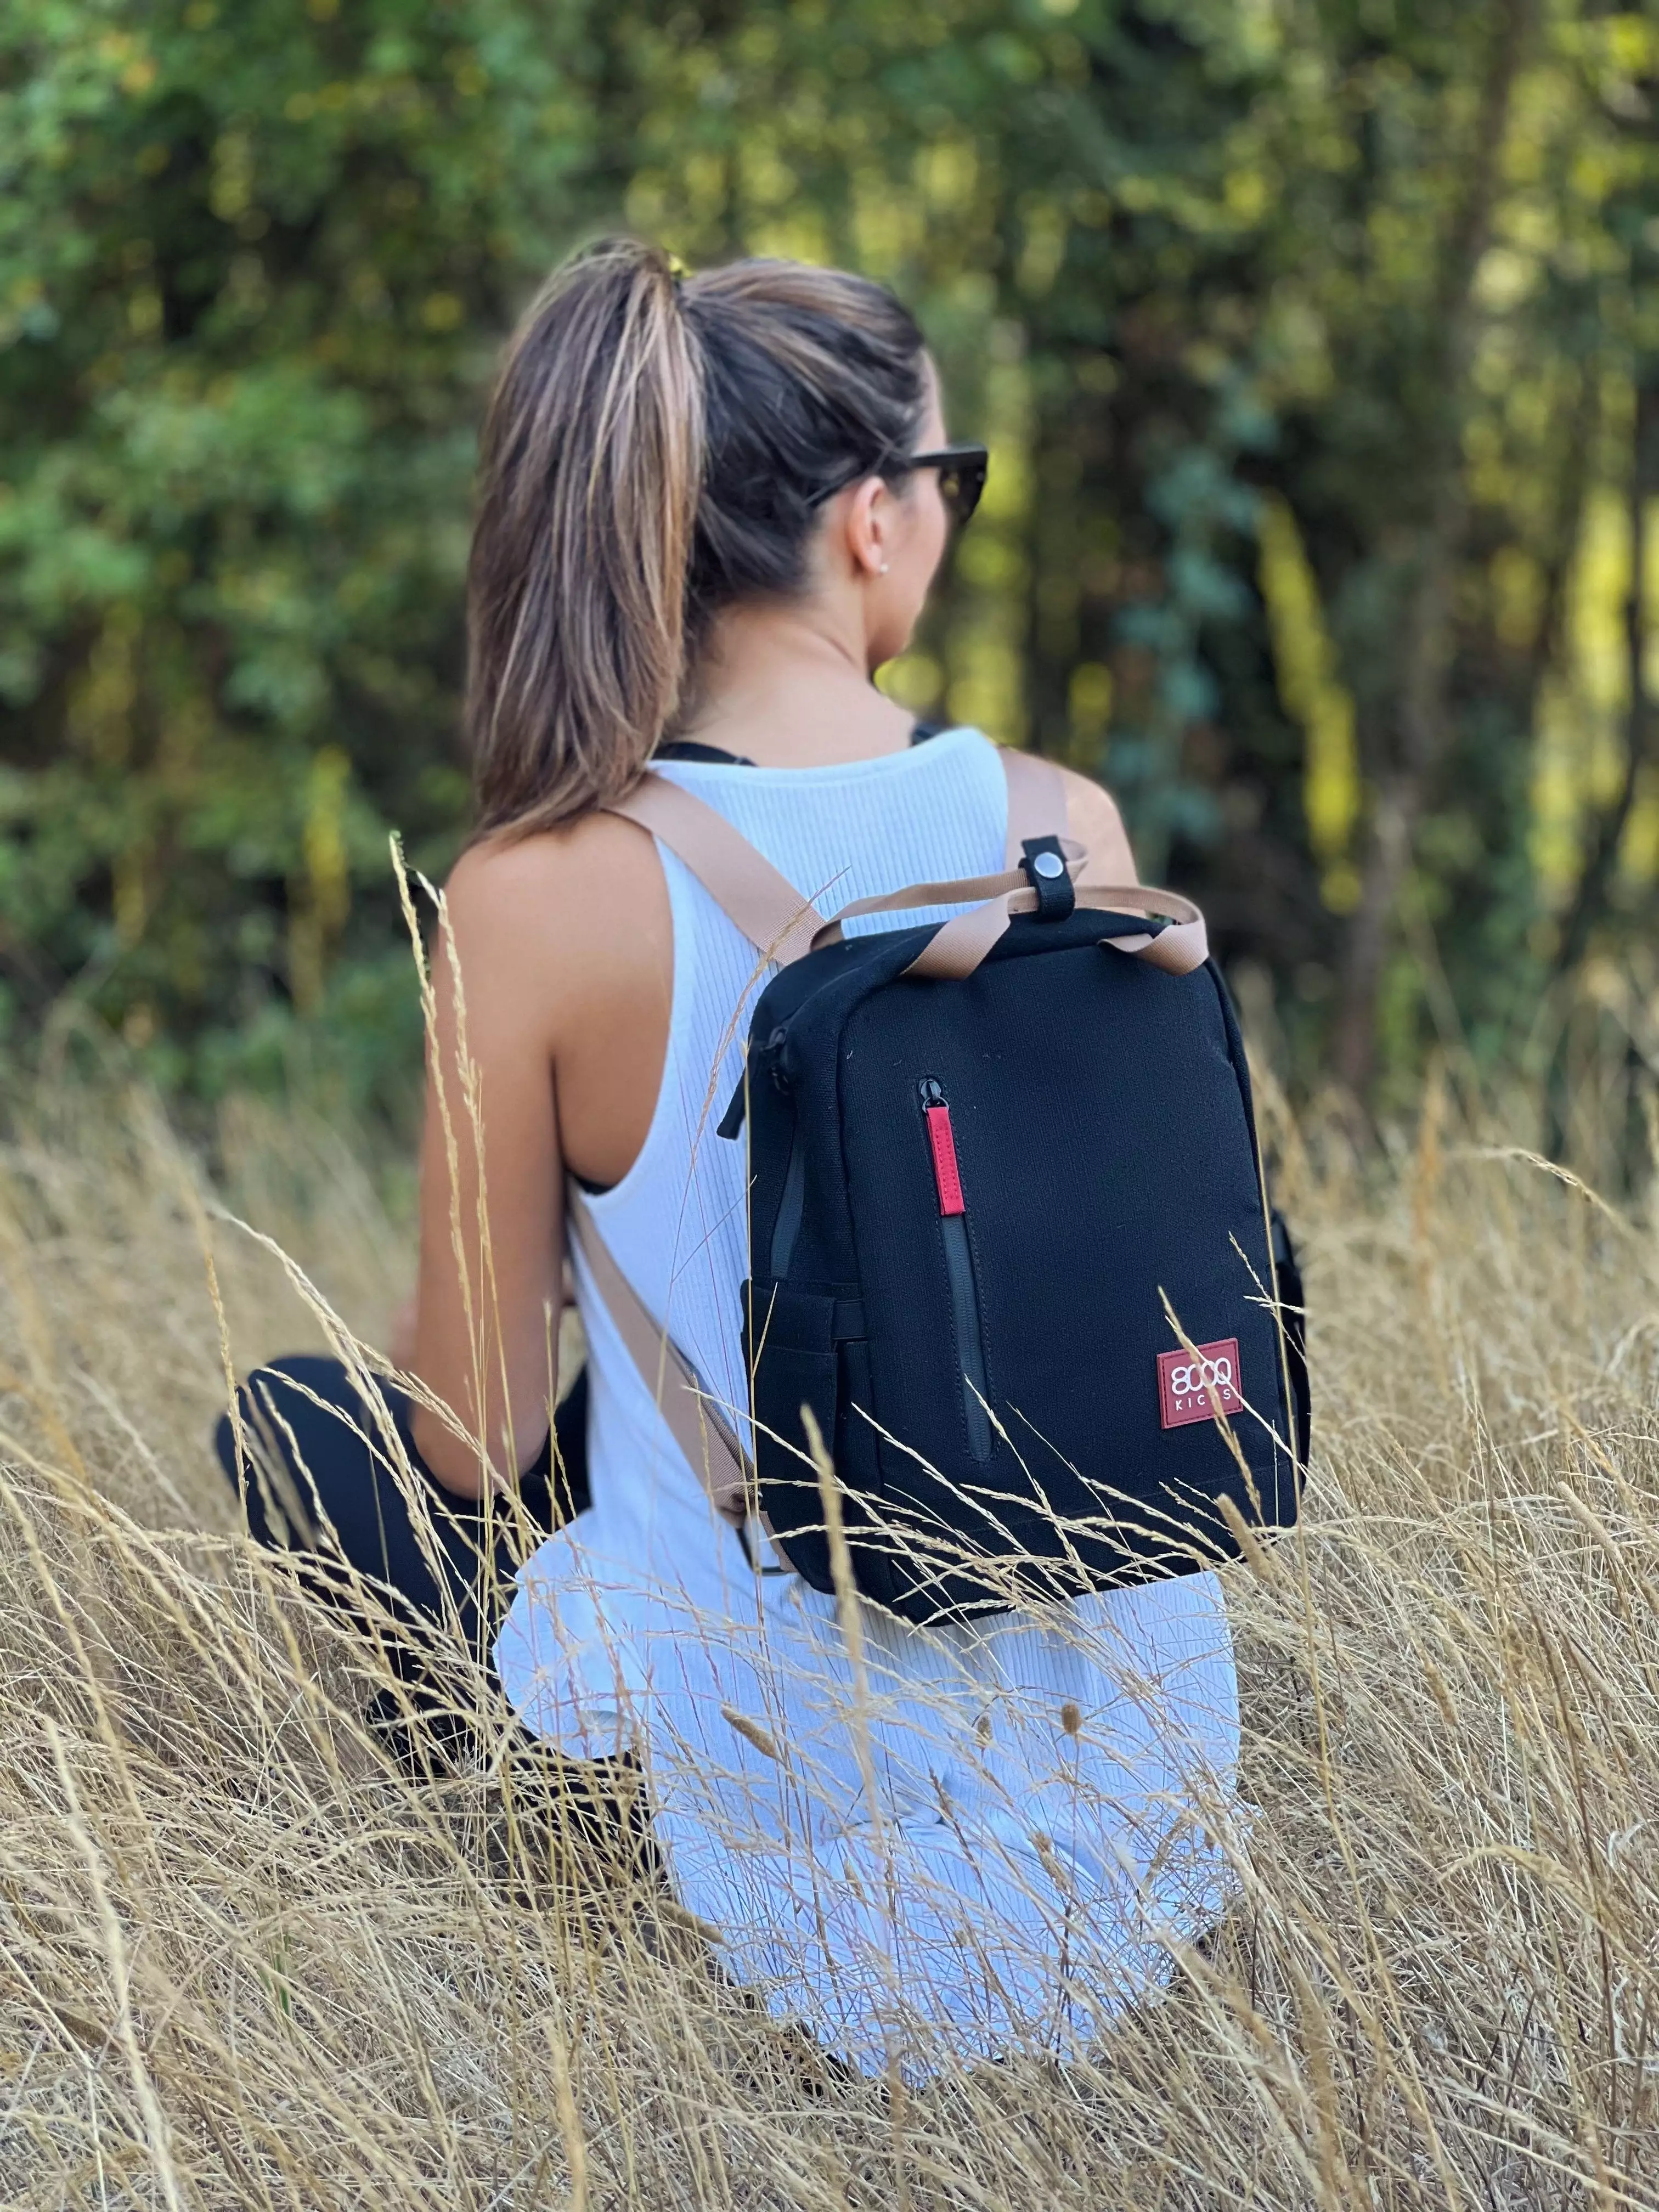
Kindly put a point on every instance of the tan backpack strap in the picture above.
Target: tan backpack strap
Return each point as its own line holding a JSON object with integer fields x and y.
{"x": 707, "y": 1442}
{"x": 1037, "y": 808}
{"x": 748, "y": 890}
{"x": 761, "y": 903}
{"x": 1036, "y": 801}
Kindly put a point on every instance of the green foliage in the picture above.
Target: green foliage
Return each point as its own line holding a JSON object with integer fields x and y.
{"x": 252, "y": 261}
{"x": 1187, "y": 264}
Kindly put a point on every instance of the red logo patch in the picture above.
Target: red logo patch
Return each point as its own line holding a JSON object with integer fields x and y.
{"x": 1188, "y": 1388}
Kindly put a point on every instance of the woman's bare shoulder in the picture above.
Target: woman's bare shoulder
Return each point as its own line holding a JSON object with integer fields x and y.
{"x": 573, "y": 861}
{"x": 570, "y": 914}
{"x": 583, "y": 876}
{"x": 1095, "y": 821}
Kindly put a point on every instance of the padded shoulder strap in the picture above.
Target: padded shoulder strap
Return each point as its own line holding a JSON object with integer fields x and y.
{"x": 700, "y": 1431}
{"x": 749, "y": 890}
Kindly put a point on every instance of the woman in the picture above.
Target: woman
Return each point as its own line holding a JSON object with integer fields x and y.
{"x": 711, "y": 508}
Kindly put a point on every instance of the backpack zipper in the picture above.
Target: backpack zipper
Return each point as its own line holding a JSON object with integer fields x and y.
{"x": 958, "y": 1265}
{"x": 786, "y": 1227}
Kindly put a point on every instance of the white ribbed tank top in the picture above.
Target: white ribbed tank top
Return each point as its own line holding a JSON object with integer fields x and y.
{"x": 1100, "y": 1736}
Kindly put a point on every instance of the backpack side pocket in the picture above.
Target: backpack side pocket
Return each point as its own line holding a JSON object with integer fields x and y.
{"x": 1292, "y": 1309}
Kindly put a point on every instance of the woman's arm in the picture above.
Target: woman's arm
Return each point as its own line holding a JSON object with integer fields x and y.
{"x": 491, "y": 1182}
{"x": 564, "y": 944}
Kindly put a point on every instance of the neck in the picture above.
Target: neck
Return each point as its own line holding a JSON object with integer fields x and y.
{"x": 788, "y": 687}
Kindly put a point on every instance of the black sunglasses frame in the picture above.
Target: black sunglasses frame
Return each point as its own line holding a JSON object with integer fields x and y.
{"x": 962, "y": 474}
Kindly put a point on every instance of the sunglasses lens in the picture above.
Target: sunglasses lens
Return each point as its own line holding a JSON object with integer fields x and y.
{"x": 960, "y": 487}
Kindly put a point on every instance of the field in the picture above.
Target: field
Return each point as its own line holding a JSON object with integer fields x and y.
{"x": 245, "y": 1960}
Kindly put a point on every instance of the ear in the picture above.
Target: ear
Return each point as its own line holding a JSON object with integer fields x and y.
{"x": 868, "y": 527}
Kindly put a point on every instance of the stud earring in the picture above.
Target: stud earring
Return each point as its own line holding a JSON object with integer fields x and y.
{"x": 885, "y": 567}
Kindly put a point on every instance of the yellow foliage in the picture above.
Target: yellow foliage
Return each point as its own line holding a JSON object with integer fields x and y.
{"x": 103, "y": 698}
{"x": 1088, "y": 703}
{"x": 1044, "y": 247}
{"x": 1517, "y": 591}
{"x": 1305, "y": 661}
{"x": 947, "y": 172}
{"x": 327, "y": 868}
{"x": 1578, "y": 760}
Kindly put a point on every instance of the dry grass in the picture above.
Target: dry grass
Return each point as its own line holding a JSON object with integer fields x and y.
{"x": 243, "y": 1961}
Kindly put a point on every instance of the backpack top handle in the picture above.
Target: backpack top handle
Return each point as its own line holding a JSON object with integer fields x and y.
{"x": 957, "y": 946}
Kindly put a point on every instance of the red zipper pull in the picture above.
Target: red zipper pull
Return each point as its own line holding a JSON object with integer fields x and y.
{"x": 946, "y": 1174}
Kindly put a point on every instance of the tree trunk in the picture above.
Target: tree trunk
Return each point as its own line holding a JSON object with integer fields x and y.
{"x": 1595, "y": 884}
{"x": 1427, "y": 641}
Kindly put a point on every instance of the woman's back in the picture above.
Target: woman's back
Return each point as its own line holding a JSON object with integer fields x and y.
{"x": 676, "y": 1223}
{"x": 713, "y": 506}
{"x": 646, "y": 1627}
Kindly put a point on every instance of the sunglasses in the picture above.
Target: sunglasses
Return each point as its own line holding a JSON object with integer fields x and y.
{"x": 962, "y": 473}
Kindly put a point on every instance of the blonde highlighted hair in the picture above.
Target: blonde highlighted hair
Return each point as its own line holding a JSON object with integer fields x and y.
{"x": 656, "y": 449}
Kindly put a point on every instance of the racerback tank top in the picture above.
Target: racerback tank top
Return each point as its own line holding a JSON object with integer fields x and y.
{"x": 1085, "y": 1737}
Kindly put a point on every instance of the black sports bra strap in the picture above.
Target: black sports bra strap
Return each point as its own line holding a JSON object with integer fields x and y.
{"x": 689, "y": 749}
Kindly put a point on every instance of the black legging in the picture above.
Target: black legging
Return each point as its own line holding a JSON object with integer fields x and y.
{"x": 304, "y": 1420}
{"x": 316, "y": 1454}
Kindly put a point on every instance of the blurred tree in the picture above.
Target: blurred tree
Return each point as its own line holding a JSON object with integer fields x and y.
{"x": 1311, "y": 336}
{"x": 1288, "y": 326}
{"x": 253, "y": 260}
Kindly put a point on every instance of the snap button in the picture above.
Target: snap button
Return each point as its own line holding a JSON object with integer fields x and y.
{"x": 1045, "y": 871}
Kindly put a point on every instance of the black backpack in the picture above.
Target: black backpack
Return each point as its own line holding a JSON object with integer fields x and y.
{"x": 1010, "y": 1252}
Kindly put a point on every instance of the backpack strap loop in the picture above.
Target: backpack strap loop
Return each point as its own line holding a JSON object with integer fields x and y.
{"x": 1044, "y": 864}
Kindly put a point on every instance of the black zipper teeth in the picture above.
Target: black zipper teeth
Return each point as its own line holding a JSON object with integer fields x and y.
{"x": 964, "y": 1312}
{"x": 786, "y": 1227}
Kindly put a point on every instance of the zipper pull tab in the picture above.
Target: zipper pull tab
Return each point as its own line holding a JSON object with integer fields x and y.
{"x": 777, "y": 1045}
{"x": 947, "y": 1178}
{"x": 731, "y": 1122}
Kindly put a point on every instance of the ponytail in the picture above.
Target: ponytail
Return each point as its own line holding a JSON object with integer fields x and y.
{"x": 591, "y": 468}
{"x": 656, "y": 453}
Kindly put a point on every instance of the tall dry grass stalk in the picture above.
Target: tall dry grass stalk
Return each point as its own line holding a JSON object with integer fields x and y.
{"x": 245, "y": 1960}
